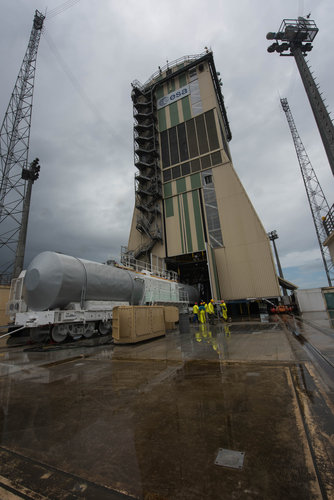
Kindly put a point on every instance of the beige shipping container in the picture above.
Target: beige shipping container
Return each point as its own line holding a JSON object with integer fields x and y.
{"x": 4, "y": 297}
{"x": 171, "y": 317}
{"x": 133, "y": 324}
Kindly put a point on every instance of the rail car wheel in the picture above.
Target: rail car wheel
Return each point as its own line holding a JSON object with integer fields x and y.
{"x": 88, "y": 330}
{"x": 58, "y": 334}
{"x": 105, "y": 327}
{"x": 75, "y": 331}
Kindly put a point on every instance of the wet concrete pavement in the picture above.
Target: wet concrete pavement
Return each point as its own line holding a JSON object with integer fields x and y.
{"x": 147, "y": 421}
{"x": 315, "y": 333}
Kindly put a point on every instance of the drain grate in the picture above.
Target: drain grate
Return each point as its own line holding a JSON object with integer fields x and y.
{"x": 230, "y": 458}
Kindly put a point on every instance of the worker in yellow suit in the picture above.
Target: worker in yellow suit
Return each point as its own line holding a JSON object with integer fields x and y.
{"x": 195, "y": 313}
{"x": 211, "y": 312}
{"x": 224, "y": 310}
{"x": 202, "y": 313}
{"x": 206, "y": 310}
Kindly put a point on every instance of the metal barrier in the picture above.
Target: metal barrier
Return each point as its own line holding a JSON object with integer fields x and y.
{"x": 128, "y": 260}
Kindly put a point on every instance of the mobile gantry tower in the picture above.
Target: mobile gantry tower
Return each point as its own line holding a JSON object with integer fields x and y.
{"x": 192, "y": 215}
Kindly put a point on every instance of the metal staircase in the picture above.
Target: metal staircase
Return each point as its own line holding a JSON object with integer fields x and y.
{"x": 148, "y": 179}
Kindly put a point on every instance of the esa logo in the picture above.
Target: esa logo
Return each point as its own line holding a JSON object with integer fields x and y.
{"x": 163, "y": 101}
{"x": 178, "y": 94}
{"x": 173, "y": 96}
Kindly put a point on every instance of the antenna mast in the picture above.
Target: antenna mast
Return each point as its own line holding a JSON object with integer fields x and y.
{"x": 316, "y": 198}
{"x": 14, "y": 148}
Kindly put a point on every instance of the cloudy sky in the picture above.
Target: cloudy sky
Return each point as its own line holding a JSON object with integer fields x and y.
{"x": 82, "y": 124}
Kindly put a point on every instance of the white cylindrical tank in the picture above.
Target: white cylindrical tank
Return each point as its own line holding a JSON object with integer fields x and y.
{"x": 53, "y": 280}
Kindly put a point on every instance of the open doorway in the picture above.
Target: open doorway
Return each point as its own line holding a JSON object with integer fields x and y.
{"x": 192, "y": 269}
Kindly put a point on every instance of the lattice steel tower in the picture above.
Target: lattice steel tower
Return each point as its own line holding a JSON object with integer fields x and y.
{"x": 296, "y": 36}
{"x": 14, "y": 147}
{"x": 317, "y": 200}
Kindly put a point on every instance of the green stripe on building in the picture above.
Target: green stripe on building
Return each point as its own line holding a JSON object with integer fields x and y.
{"x": 195, "y": 180}
{"x": 187, "y": 222}
{"x": 160, "y": 92}
{"x": 169, "y": 207}
{"x": 162, "y": 119}
{"x": 180, "y": 222}
{"x": 182, "y": 80}
{"x": 186, "y": 108}
{"x": 181, "y": 185}
{"x": 167, "y": 189}
{"x": 198, "y": 221}
{"x": 186, "y": 100}
{"x": 171, "y": 85}
{"x": 174, "y": 114}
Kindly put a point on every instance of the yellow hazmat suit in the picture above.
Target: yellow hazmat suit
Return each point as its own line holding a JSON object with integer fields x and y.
{"x": 202, "y": 314}
{"x": 211, "y": 312}
{"x": 224, "y": 310}
{"x": 195, "y": 313}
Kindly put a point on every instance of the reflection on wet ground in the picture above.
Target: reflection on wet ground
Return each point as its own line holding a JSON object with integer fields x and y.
{"x": 320, "y": 337}
{"x": 319, "y": 318}
{"x": 147, "y": 421}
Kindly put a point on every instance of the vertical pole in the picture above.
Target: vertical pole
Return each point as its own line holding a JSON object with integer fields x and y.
{"x": 273, "y": 236}
{"x": 321, "y": 115}
{"x": 19, "y": 257}
{"x": 280, "y": 272}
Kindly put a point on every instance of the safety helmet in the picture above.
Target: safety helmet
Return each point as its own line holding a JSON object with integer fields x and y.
{"x": 211, "y": 300}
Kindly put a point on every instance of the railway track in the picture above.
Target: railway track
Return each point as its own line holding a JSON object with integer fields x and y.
{"x": 324, "y": 364}
{"x": 317, "y": 446}
{"x": 314, "y": 397}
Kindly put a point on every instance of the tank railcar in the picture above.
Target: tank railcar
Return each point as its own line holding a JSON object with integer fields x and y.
{"x": 67, "y": 296}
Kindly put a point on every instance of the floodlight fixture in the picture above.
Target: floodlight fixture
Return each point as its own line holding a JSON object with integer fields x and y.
{"x": 272, "y": 235}
{"x": 294, "y": 33}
